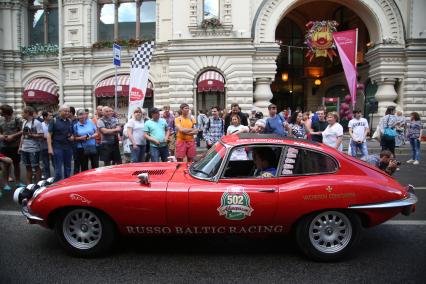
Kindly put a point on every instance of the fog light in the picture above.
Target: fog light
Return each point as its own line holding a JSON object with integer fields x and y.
{"x": 17, "y": 195}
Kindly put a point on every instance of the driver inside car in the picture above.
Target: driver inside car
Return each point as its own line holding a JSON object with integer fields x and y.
{"x": 264, "y": 159}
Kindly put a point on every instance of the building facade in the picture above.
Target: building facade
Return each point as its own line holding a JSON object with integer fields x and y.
{"x": 239, "y": 43}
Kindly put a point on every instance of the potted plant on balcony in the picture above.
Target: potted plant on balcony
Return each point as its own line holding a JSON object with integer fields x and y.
{"x": 212, "y": 23}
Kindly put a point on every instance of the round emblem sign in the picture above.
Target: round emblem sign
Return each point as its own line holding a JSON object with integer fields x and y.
{"x": 235, "y": 204}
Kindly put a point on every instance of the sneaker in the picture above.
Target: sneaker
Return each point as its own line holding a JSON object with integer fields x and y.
{"x": 410, "y": 161}
{"x": 7, "y": 188}
{"x": 416, "y": 162}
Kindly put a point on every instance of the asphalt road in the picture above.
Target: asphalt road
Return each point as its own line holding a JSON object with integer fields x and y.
{"x": 393, "y": 252}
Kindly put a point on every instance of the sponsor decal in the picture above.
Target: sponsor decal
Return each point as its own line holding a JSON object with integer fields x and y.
{"x": 329, "y": 196}
{"x": 136, "y": 94}
{"x": 78, "y": 197}
{"x": 199, "y": 230}
{"x": 235, "y": 204}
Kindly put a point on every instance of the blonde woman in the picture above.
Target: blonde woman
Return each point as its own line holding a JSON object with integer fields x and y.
{"x": 333, "y": 134}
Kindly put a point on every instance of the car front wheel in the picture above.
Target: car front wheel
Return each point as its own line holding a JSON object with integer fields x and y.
{"x": 328, "y": 235}
{"x": 85, "y": 232}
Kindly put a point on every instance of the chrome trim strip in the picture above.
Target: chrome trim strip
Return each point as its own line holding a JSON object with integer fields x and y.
{"x": 410, "y": 200}
{"x": 29, "y": 216}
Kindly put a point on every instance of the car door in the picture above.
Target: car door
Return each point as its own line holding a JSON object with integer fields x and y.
{"x": 237, "y": 198}
{"x": 306, "y": 177}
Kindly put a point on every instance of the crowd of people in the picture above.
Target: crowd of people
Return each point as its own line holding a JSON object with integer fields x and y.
{"x": 41, "y": 139}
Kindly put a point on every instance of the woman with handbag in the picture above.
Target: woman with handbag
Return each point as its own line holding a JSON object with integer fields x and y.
{"x": 387, "y": 127}
{"x": 85, "y": 138}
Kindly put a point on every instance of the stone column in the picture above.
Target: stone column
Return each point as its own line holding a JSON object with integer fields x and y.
{"x": 262, "y": 94}
{"x": 386, "y": 94}
{"x": 387, "y": 64}
{"x": 264, "y": 69}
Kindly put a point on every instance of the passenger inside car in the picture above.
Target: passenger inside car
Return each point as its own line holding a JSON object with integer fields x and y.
{"x": 264, "y": 159}
{"x": 245, "y": 164}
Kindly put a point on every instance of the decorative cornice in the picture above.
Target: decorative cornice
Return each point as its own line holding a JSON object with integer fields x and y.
{"x": 223, "y": 31}
{"x": 11, "y": 4}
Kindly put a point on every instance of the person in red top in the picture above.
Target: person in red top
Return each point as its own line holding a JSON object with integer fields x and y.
{"x": 185, "y": 131}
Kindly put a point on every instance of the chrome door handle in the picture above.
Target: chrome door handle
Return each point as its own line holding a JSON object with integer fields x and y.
{"x": 267, "y": 190}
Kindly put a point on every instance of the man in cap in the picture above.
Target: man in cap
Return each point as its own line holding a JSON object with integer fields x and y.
{"x": 157, "y": 132}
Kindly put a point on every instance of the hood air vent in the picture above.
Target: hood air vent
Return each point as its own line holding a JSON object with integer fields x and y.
{"x": 150, "y": 172}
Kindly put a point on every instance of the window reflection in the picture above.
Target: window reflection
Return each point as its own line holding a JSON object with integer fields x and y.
{"x": 148, "y": 16}
{"x": 106, "y": 23}
{"x": 127, "y": 20}
{"x": 43, "y": 30}
{"x": 211, "y": 9}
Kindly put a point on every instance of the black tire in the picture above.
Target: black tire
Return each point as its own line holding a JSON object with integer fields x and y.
{"x": 85, "y": 232}
{"x": 325, "y": 240}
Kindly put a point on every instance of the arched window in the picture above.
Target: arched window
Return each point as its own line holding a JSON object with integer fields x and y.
{"x": 43, "y": 21}
{"x": 126, "y": 19}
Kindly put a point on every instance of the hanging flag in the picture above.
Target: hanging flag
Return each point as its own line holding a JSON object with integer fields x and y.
{"x": 139, "y": 72}
{"x": 346, "y": 43}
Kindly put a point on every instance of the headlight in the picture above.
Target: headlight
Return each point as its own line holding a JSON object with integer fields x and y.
{"x": 38, "y": 191}
{"x": 31, "y": 187}
{"x": 16, "y": 195}
{"x": 42, "y": 183}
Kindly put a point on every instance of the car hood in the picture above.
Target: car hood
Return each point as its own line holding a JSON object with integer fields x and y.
{"x": 124, "y": 173}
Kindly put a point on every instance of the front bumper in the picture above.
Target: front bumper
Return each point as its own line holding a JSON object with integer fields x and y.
{"x": 407, "y": 205}
{"x": 32, "y": 219}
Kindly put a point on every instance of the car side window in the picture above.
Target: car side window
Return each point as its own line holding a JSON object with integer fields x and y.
{"x": 253, "y": 162}
{"x": 300, "y": 161}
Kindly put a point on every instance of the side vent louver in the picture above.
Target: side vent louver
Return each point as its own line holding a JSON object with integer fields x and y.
{"x": 150, "y": 172}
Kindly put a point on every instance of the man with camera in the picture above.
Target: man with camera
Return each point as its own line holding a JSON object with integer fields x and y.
{"x": 32, "y": 133}
{"x": 385, "y": 161}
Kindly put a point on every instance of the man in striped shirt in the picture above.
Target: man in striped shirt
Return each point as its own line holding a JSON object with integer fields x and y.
{"x": 214, "y": 128}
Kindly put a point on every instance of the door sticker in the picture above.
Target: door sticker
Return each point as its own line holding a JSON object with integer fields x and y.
{"x": 235, "y": 204}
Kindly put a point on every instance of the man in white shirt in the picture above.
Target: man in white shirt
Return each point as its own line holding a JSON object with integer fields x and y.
{"x": 358, "y": 129}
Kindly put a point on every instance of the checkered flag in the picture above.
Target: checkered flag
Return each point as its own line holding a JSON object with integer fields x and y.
{"x": 139, "y": 74}
{"x": 143, "y": 55}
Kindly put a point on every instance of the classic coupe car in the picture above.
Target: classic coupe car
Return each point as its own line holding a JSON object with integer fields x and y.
{"x": 245, "y": 184}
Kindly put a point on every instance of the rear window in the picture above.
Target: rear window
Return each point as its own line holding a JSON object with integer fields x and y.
{"x": 300, "y": 161}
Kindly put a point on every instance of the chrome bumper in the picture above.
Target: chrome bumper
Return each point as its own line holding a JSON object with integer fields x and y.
{"x": 407, "y": 203}
{"x": 31, "y": 218}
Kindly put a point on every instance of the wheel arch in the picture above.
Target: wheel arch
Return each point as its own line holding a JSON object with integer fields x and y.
{"x": 52, "y": 217}
{"x": 365, "y": 219}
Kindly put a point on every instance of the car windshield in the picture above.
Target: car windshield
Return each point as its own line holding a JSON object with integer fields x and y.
{"x": 209, "y": 165}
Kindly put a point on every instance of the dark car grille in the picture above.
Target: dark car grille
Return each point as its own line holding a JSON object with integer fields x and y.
{"x": 150, "y": 172}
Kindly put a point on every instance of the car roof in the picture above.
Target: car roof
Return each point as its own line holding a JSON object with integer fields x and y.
{"x": 256, "y": 138}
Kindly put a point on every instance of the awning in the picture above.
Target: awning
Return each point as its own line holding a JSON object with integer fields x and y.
{"x": 41, "y": 90}
{"x": 211, "y": 81}
{"x": 106, "y": 87}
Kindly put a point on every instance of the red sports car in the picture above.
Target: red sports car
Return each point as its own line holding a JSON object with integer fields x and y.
{"x": 246, "y": 184}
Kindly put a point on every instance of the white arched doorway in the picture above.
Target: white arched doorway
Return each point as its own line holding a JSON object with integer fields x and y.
{"x": 385, "y": 26}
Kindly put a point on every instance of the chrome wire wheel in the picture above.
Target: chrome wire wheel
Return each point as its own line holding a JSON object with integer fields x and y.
{"x": 330, "y": 232}
{"x": 82, "y": 229}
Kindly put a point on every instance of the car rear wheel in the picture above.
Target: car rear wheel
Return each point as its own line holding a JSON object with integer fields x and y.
{"x": 85, "y": 232}
{"x": 328, "y": 235}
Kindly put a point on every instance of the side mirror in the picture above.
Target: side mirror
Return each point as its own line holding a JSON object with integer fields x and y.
{"x": 143, "y": 178}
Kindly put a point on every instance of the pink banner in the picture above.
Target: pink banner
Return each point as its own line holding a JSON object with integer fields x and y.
{"x": 346, "y": 43}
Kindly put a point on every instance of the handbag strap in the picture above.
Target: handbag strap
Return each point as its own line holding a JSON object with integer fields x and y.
{"x": 387, "y": 122}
